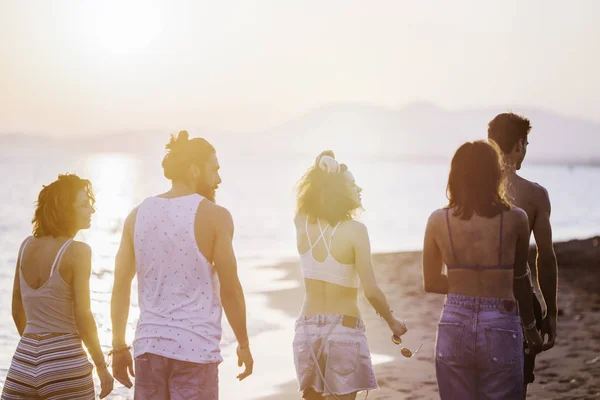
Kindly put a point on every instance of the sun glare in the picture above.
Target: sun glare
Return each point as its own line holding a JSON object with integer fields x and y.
{"x": 122, "y": 27}
{"x": 112, "y": 177}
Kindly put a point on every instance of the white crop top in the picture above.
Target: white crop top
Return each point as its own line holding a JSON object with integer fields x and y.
{"x": 330, "y": 270}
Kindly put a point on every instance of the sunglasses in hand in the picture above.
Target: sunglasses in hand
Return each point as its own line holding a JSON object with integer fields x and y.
{"x": 406, "y": 352}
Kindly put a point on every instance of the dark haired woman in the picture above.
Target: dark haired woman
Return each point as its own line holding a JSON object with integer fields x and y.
{"x": 483, "y": 242}
{"x": 51, "y": 301}
{"x": 331, "y": 354}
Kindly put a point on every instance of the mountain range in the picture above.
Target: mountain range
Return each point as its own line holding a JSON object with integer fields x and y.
{"x": 418, "y": 130}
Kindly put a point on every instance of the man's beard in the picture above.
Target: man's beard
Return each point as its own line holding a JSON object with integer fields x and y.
{"x": 207, "y": 192}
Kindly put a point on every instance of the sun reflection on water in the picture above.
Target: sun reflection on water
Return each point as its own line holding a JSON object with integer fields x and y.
{"x": 114, "y": 177}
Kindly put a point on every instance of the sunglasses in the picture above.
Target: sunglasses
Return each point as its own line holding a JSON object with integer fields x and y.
{"x": 406, "y": 352}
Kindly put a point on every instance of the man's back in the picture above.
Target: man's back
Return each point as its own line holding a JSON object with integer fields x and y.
{"x": 180, "y": 244}
{"x": 510, "y": 132}
{"x": 533, "y": 199}
{"x": 526, "y": 195}
{"x": 178, "y": 288}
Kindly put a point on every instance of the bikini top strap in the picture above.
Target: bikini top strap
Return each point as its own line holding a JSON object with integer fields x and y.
{"x": 333, "y": 233}
{"x": 307, "y": 235}
{"x": 22, "y": 251}
{"x": 500, "y": 244}
{"x": 59, "y": 256}
{"x": 450, "y": 235}
{"x": 323, "y": 234}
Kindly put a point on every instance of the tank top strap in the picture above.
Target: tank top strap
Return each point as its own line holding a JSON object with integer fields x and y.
{"x": 333, "y": 233}
{"x": 500, "y": 244}
{"x": 450, "y": 235}
{"x": 59, "y": 257}
{"x": 22, "y": 251}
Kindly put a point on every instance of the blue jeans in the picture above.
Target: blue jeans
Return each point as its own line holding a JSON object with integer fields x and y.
{"x": 479, "y": 349}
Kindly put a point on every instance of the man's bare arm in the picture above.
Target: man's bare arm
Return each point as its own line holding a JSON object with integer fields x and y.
{"x": 124, "y": 273}
{"x": 546, "y": 265}
{"x": 120, "y": 302}
{"x": 232, "y": 294}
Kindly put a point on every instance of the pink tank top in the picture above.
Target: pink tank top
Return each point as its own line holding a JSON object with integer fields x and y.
{"x": 49, "y": 308}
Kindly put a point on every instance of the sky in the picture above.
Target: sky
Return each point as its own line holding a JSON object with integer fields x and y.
{"x": 91, "y": 67}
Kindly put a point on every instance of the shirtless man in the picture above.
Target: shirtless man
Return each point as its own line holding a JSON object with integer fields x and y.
{"x": 510, "y": 132}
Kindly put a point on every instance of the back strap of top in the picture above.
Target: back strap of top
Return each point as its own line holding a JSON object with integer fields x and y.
{"x": 476, "y": 267}
{"x": 57, "y": 259}
{"x": 450, "y": 235}
{"x": 321, "y": 236}
{"x": 59, "y": 256}
{"x": 23, "y": 246}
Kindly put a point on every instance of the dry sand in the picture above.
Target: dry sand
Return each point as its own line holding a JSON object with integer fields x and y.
{"x": 571, "y": 370}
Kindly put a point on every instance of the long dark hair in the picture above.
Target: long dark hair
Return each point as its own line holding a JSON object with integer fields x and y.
{"x": 326, "y": 195}
{"x": 54, "y": 213}
{"x": 476, "y": 181}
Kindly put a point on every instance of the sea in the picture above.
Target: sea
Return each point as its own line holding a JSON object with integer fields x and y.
{"x": 259, "y": 190}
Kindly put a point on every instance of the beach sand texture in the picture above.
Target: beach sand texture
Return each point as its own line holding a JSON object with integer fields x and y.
{"x": 571, "y": 370}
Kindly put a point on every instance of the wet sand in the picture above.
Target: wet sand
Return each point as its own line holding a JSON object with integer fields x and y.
{"x": 571, "y": 370}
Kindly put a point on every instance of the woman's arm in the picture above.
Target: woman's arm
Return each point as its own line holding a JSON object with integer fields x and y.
{"x": 521, "y": 284}
{"x": 364, "y": 267}
{"x": 84, "y": 319}
{"x": 434, "y": 281}
{"x": 18, "y": 312}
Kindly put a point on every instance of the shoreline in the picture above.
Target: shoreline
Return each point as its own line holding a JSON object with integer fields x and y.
{"x": 568, "y": 371}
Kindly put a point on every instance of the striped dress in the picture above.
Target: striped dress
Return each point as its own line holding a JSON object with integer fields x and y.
{"x": 49, "y": 362}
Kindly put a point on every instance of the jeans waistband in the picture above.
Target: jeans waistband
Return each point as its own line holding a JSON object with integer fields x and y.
{"x": 483, "y": 303}
{"x": 324, "y": 320}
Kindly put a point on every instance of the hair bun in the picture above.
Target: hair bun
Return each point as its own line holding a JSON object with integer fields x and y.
{"x": 183, "y": 136}
{"x": 326, "y": 153}
{"x": 176, "y": 141}
{"x": 328, "y": 164}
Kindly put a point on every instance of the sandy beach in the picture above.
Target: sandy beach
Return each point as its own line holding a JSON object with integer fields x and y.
{"x": 570, "y": 370}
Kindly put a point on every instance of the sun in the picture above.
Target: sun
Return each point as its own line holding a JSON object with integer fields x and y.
{"x": 122, "y": 27}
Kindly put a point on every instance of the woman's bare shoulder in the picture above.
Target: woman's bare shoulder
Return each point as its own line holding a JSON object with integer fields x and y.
{"x": 436, "y": 217}
{"x": 78, "y": 251}
{"x": 517, "y": 213}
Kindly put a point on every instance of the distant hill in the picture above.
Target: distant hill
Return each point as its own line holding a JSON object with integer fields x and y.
{"x": 418, "y": 130}
{"x": 422, "y": 128}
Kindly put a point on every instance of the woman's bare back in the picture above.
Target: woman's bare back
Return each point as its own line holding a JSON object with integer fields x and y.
{"x": 324, "y": 297}
{"x": 477, "y": 242}
{"x": 38, "y": 258}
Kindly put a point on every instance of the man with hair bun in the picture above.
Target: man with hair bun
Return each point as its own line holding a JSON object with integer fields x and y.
{"x": 180, "y": 245}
